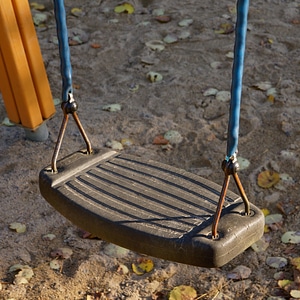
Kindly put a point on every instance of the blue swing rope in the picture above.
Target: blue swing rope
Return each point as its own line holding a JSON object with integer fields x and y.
{"x": 64, "y": 50}
{"x": 237, "y": 76}
{"x": 237, "y": 71}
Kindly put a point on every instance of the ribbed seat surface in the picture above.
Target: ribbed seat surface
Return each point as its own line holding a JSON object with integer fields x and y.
{"x": 149, "y": 207}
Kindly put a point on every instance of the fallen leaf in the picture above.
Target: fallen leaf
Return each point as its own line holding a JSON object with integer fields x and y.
{"x": 183, "y": 292}
{"x": 158, "y": 12}
{"x": 265, "y": 211}
{"x": 210, "y": 92}
{"x": 48, "y": 237}
{"x": 55, "y": 264}
{"x": 263, "y": 86}
{"x": 223, "y": 96}
{"x": 7, "y": 122}
{"x": 87, "y": 235}
{"x": 163, "y": 19}
{"x": 295, "y": 294}
{"x": 125, "y": 7}
{"x": 112, "y": 107}
{"x": 225, "y": 28}
{"x": 18, "y": 227}
{"x": 63, "y": 253}
{"x": 170, "y": 38}
{"x": 291, "y": 237}
{"x": 115, "y": 251}
{"x": 144, "y": 265}
{"x": 276, "y": 262}
{"x": 122, "y": 269}
{"x": 284, "y": 283}
{"x": 39, "y": 18}
{"x": 185, "y": 22}
{"x": 24, "y": 275}
{"x": 154, "y": 76}
{"x": 296, "y": 262}
{"x": 239, "y": 272}
{"x": 95, "y": 46}
{"x": 244, "y": 163}
{"x": 133, "y": 87}
{"x": 260, "y": 246}
{"x": 273, "y": 218}
{"x": 37, "y": 6}
{"x": 267, "y": 179}
{"x": 15, "y": 267}
{"x": 77, "y": 12}
{"x": 115, "y": 145}
{"x": 160, "y": 140}
{"x": 173, "y": 136}
{"x": 156, "y": 45}
{"x": 126, "y": 142}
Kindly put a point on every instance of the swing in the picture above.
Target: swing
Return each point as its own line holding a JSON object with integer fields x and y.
{"x": 147, "y": 206}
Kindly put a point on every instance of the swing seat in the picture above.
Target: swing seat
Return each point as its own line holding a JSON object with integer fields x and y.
{"x": 150, "y": 207}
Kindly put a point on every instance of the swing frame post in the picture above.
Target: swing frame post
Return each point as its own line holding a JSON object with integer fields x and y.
{"x": 24, "y": 85}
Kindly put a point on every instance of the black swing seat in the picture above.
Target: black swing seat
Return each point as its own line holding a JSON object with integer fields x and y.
{"x": 150, "y": 207}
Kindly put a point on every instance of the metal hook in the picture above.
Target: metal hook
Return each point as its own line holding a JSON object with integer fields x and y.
{"x": 230, "y": 167}
{"x": 69, "y": 107}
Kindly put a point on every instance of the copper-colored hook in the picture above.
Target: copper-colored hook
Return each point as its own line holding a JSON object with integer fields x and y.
{"x": 229, "y": 167}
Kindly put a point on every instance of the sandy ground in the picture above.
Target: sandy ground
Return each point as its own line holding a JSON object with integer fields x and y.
{"x": 112, "y": 59}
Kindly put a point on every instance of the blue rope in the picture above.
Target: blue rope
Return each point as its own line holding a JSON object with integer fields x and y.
{"x": 64, "y": 50}
{"x": 237, "y": 76}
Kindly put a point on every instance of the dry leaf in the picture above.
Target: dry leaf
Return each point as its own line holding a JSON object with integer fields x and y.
{"x": 160, "y": 140}
{"x": 163, "y": 19}
{"x": 291, "y": 237}
{"x": 239, "y": 272}
{"x": 125, "y": 7}
{"x": 63, "y": 252}
{"x": 77, "y": 12}
{"x": 95, "y": 46}
{"x": 183, "y": 292}
{"x": 37, "y": 6}
{"x": 296, "y": 262}
{"x": 225, "y": 28}
{"x": 144, "y": 265}
{"x": 18, "y": 227}
{"x": 48, "y": 237}
{"x": 276, "y": 262}
{"x": 267, "y": 179}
